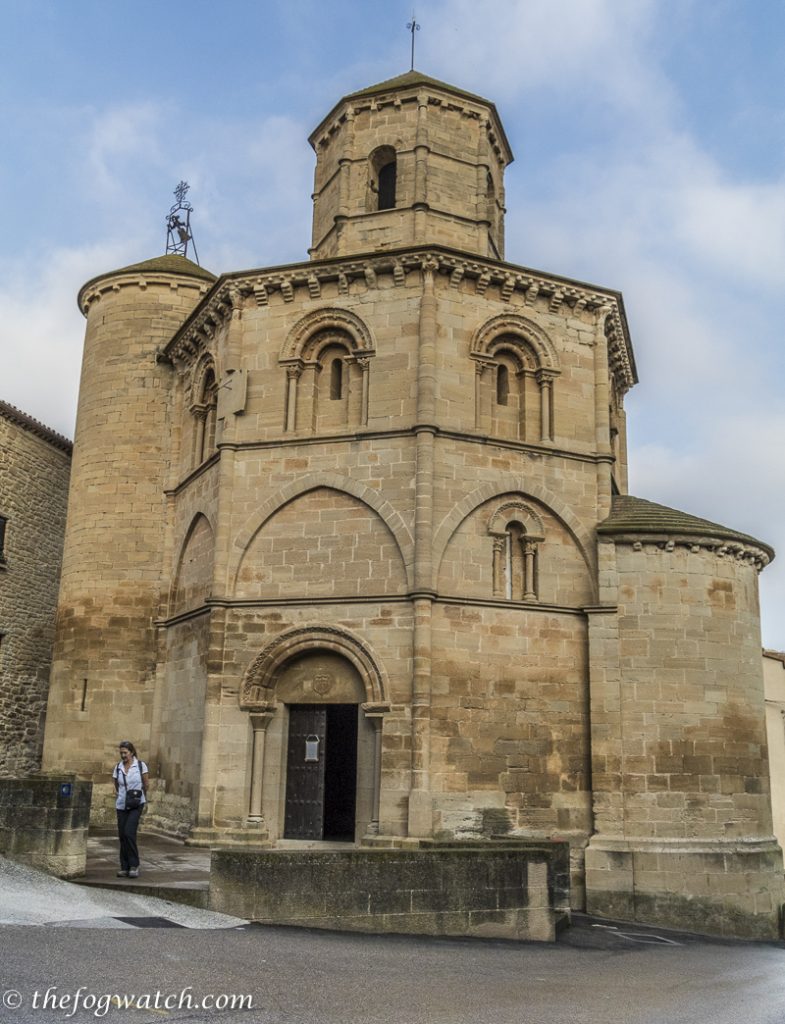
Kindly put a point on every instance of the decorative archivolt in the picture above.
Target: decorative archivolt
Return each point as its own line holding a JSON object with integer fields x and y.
{"x": 258, "y": 686}
{"x": 200, "y": 376}
{"x": 316, "y": 329}
{"x": 341, "y": 401}
{"x": 516, "y": 512}
{"x": 203, "y": 409}
{"x": 507, "y": 330}
{"x": 518, "y": 405}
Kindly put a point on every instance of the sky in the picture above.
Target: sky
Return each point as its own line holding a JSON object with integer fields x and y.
{"x": 649, "y": 138}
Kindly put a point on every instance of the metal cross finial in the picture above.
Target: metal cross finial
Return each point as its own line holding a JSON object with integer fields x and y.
{"x": 178, "y": 224}
{"x": 412, "y": 27}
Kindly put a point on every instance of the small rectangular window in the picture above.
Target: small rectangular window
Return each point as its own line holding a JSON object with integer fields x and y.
{"x": 3, "y": 521}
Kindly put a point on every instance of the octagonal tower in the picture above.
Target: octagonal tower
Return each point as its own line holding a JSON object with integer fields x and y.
{"x": 409, "y": 161}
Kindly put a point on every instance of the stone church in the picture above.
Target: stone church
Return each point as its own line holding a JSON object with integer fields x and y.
{"x": 350, "y": 554}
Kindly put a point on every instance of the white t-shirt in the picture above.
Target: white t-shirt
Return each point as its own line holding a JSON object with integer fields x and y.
{"x": 132, "y": 778}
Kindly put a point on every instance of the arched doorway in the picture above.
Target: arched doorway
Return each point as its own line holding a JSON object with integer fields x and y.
{"x": 328, "y": 748}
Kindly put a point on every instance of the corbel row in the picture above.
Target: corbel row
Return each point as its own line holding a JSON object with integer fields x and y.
{"x": 729, "y": 550}
{"x": 198, "y": 333}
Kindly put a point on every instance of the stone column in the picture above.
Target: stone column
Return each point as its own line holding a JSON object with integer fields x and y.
{"x": 483, "y": 170}
{"x": 259, "y": 721}
{"x": 479, "y": 371}
{"x": 199, "y": 413}
{"x": 499, "y": 544}
{"x": 375, "y": 716}
{"x": 529, "y": 554}
{"x": 421, "y": 150}
{"x": 364, "y": 363}
{"x": 545, "y": 381}
{"x": 420, "y": 809}
{"x": 292, "y": 376}
{"x": 521, "y": 378}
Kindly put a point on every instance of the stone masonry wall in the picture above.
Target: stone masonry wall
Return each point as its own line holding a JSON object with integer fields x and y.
{"x": 113, "y": 556}
{"x": 34, "y": 476}
{"x": 679, "y": 746}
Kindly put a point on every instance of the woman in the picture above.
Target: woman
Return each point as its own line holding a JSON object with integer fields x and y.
{"x": 130, "y": 786}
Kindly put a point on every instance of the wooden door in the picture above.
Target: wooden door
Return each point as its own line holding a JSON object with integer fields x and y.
{"x": 305, "y": 765}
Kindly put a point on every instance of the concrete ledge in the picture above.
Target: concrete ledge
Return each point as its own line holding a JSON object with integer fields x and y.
{"x": 43, "y": 823}
{"x": 191, "y": 894}
{"x": 733, "y": 888}
{"x": 491, "y": 891}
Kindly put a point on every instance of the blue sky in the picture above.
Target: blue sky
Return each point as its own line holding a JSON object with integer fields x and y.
{"x": 650, "y": 157}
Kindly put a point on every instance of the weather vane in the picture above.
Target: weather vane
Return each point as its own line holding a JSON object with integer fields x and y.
{"x": 412, "y": 27}
{"x": 178, "y": 224}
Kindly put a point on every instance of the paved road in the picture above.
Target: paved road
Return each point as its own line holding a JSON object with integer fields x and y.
{"x": 596, "y": 974}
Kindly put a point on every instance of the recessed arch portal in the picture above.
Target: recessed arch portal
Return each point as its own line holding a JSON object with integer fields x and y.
{"x": 259, "y": 682}
{"x": 316, "y": 697}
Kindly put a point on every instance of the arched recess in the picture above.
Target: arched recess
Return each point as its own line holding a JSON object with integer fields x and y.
{"x": 516, "y": 365}
{"x": 318, "y": 396}
{"x": 192, "y": 580}
{"x": 272, "y": 732}
{"x": 509, "y": 484}
{"x": 203, "y": 409}
{"x": 382, "y": 179}
{"x": 333, "y": 481}
{"x": 261, "y": 676}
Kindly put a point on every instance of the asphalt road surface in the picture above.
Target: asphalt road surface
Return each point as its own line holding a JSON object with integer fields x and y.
{"x": 71, "y": 954}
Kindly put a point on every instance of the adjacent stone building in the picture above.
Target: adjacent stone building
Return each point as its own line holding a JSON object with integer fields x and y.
{"x": 35, "y": 464}
{"x": 350, "y": 553}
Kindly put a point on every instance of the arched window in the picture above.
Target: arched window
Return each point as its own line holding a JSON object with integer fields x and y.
{"x": 210, "y": 402}
{"x": 383, "y": 175}
{"x": 387, "y": 179}
{"x": 204, "y": 412}
{"x": 517, "y": 534}
{"x": 502, "y": 385}
{"x": 336, "y": 380}
{"x": 532, "y": 365}
{"x": 327, "y": 356}
{"x": 335, "y": 393}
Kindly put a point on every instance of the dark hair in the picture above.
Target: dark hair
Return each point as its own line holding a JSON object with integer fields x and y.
{"x": 129, "y": 746}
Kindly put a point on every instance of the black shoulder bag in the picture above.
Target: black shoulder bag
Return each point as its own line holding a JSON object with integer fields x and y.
{"x": 133, "y": 797}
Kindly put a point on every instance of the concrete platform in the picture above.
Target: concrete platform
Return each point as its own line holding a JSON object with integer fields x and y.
{"x": 169, "y": 869}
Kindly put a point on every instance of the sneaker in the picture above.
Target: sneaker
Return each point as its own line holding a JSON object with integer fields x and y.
{"x": 133, "y": 873}
{"x": 122, "y": 874}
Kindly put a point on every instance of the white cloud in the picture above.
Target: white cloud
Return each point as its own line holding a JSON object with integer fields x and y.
{"x": 250, "y": 187}
{"x": 737, "y": 227}
{"x": 577, "y": 48}
{"x": 41, "y": 331}
{"x": 731, "y": 474}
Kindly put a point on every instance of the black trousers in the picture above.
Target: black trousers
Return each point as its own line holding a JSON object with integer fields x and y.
{"x": 127, "y": 824}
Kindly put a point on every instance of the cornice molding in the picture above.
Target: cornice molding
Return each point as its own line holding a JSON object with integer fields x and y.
{"x": 424, "y": 93}
{"x": 123, "y": 279}
{"x": 33, "y": 426}
{"x": 737, "y": 551}
{"x": 237, "y": 289}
